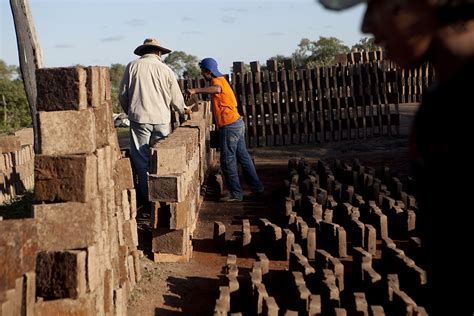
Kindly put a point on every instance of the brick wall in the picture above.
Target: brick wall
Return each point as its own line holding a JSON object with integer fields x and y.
{"x": 16, "y": 164}
{"x": 178, "y": 169}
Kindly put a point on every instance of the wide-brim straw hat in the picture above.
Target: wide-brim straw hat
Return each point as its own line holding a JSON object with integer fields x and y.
{"x": 150, "y": 42}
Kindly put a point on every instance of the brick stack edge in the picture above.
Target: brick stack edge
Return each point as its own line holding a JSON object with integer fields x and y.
{"x": 16, "y": 164}
{"x": 78, "y": 254}
{"x": 178, "y": 168}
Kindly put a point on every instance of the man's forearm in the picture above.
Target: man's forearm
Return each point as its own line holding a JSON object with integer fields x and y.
{"x": 210, "y": 89}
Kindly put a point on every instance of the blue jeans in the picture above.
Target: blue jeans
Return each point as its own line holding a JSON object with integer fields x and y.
{"x": 142, "y": 136}
{"x": 233, "y": 151}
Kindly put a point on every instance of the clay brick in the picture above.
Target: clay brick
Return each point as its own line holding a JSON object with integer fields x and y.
{"x": 26, "y": 136}
{"x": 69, "y": 225}
{"x": 123, "y": 177}
{"x": 130, "y": 234}
{"x": 93, "y": 86}
{"x": 311, "y": 243}
{"x": 61, "y": 274}
{"x": 314, "y": 305}
{"x": 370, "y": 239}
{"x": 264, "y": 262}
{"x": 61, "y": 89}
{"x": 103, "y": 124}
{"x": 29, "y": 293}
{"x": 360, "y": 303}
{"x": 104, "y": 84}
{"x": 170, "y": 241}
{"x": 220, "y": 308}
{"x": 131, "y": 271}
{"x": 18, "y": 249}
{"x": 167, "y": 188}
{"x": 125, "y": 205}
{"x": 270, "y": 307}
{"x": 67, "y": 132}
{"x": 183, "y": 214}
{"x": 219, "y": 235}
{"x": 9, "y": 144}
{"x": 95, "y": 266}
{"x": 137, "y": 265}
{"x": 260, "y": 293}
{"x": 246, "y": 234}
{"x": 377, "y": 310}
{"x": 380, "y": 223}
{"x": 132, "y": 198}
{"x": 122, "y": 275}
{"x": 103, "y": 169}
{"x": 70, "y": 307}
{"x": 330, "y": 294}
{"x": 65, "y": 178}
{"x": 190, "y": 137}
{"x": 108, "y": 292}
{"x": 202, "y": 127}
{"x": 402, "y": 304}
{"x": 167, "y": 157}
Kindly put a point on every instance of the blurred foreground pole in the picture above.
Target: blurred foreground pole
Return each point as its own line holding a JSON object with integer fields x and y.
{"x": 30, "y": 55}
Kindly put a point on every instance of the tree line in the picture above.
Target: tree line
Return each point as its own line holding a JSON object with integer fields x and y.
{"x": 14, "y": 110}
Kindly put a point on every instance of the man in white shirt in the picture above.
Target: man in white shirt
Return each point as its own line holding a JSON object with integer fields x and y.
{"x": 148, "y": 90}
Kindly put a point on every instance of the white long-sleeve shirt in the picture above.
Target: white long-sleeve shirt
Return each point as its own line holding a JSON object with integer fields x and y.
{"x": 148, "y": 90}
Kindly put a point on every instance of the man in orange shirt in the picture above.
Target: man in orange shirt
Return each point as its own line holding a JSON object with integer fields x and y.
{"x": 231, "y": 133}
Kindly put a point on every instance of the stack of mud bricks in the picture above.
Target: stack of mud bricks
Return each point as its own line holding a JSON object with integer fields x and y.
{"x": 354, "y": 212}
{"x": 78, "y": 254}
{"x": 178, "y": 168}
{"x": 340, "y": 258}
{"x": 16, "y": 164}
{"x": 327, "y": 272}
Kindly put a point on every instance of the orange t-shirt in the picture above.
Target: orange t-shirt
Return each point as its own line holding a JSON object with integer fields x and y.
{"x": 224, "y": 103}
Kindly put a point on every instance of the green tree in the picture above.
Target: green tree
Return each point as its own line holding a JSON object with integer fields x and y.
{"x": 7, "y": 72}
{"x": 324, "y": 51}
{"x": 366, "y": 44}
{"x": 311, "y": 54}
{"x": 14, "y": 109}
{"x": 116, "y": 74}
{"x": 304, "y": 53}
{"x": 184, "y": 65}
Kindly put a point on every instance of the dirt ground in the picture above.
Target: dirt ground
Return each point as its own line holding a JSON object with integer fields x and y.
{"x": 192, "y": 288}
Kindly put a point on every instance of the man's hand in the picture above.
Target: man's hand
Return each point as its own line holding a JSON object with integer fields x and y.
{"x": 188, "y": 110}
{"x": 189, "y": 93}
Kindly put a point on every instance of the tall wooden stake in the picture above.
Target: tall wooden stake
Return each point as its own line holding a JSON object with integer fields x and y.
{"x": 30, "y": 55}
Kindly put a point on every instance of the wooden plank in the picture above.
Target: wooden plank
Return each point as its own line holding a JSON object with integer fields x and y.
{"x": 268, "y": 107}
{"x": 327, "y": 110}
{"x": 259, "y": 107}
{"x": 384, "y": 100}
{"x": 311, "y": 106}
{"x": 377, "y": 100}
{"x": 251, "y": 110}
{"x": 348, "y": 102}
{"x": 238, "y": 67}
{"x": 30, "y": 56}
{"x": 365, "y": 100}
{"x": 335, "y": 103}
{"x": 275, "y": 101}
{"x": 285, "y": 107}
{"x": 354, "y": 100}
{"x": 239, "y": 90}
{"x": 302, "y": 106}
{"x": 293, "y": 101}
{"x": 318, "y": 94}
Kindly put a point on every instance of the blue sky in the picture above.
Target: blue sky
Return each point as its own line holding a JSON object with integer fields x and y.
{"x": 102, "y": 32}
